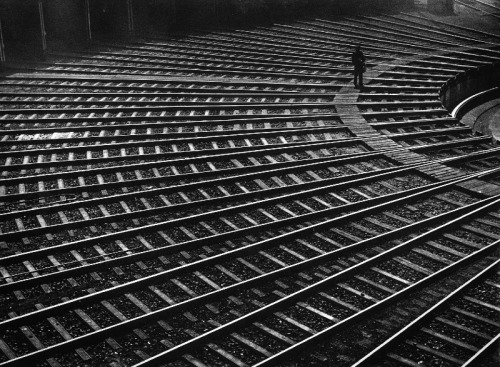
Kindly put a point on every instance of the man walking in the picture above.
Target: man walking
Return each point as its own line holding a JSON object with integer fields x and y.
{"x": 358, "y": 60}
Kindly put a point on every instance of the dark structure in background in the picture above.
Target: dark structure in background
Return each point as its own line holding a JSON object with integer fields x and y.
{"x": 21, "y": 28}
{"x": 2, "y": 51}
{"x": 440, "y": 6}
{"x": 31, "y": 27}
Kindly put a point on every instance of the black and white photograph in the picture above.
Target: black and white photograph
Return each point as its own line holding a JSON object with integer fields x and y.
{"x": 250, "y": 183}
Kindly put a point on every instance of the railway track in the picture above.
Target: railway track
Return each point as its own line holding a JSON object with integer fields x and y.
{"x": 467, "y": 314}
{"x": 228, "y": 198}
{"x": 487, "y": 8}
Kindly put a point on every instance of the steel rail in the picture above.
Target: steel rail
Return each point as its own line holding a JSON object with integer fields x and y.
{"x": 241, "y": 47}
{"x": 199, "y": 66}
{"x": 147, "y": 254}
{"x": 393, "y": 37}
{"x": 404, "y": 91}
{"x": 157, "y": 125}
{"x": 487, "y": 4}
{"x": 130, "y": 141}
{"x": 225, "y": 135}
{"x": 166, "y": 107}
{"x": 432, "y": 29}
{"x": 311, "y": 189}
{"x": 194, "y": 106}
{"x": 489, "y": 349}
{"x": 416, "y": 192}
{"x": 382, "y": 79}
{"x": 164, "y": 71}
{"x": 148, "y": 143}
{"x": 156, "y": 139}
{"x": 450, "y": 144}
{"x": 165, "y": 250}
{"x": 420, "y": 134}
{"x": 111, "y": 69}
{"x": 228, "y": 176}
{"x": 245, "y": 320}
{"x": 352, "y": 157}
{"x": 429, "y": 39}
{"x": 190, "y": 156}
{"x": 363, "y": 315}
{"x": 155, "y": 60}
{"x": 231, "y": 55}
{"x": 399, "y": 42}
{"x": 226, "y": 71}
{"x": 158, "y": 80}
{"x": 201, "y": 59}
{"x": 426, "y": 317}
{"x": 244, "y": 31}
{"x": 342, "y": 32}
{"x": 204, "y": 118}
{"x": 199, "y": 156}
{"x": 183, "y": 120}
{"x": 377, "y": 28}
{"x": 184, "y": 49}
{"x": 478, "y": 9}
{"x": 129, "y": 258}
{"x": 140, "y": 51}
{"x": 145, "y": 105}
{"x": 389, "y": 124}
{"x": 131, "y": 323}
{"x": 184, "y": 137}
{"x": 476, "y": 155}
{"x": 274, "y": 40}
{"x": 163, "y": 87}
{"x": 230, "y": 42}
{"x": 454, "y": 26}
{"x": 350, "y": 45}
{"x": 318, "y": 185}
{"x": 83, "y": 75}
{"x": 248, "y": 175}
{"x": 341, "y": 211}
{"x": 162, "y": 251}
{"x": 163, "y": 79}
{"x": 229, "y": 93}
{"x": 222, "y": 119}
